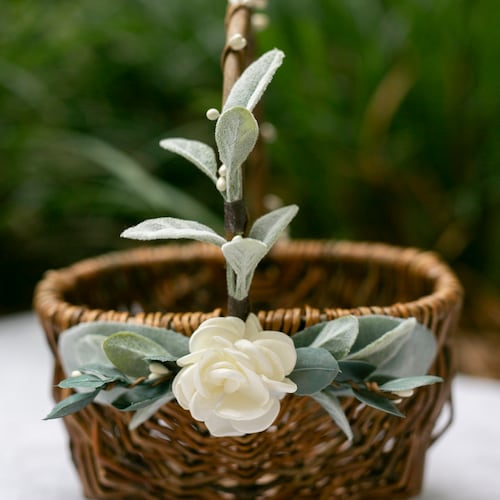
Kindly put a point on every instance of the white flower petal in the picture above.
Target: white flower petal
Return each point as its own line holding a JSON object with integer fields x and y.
{"x": 261, "y": 423}
{"x": 221, "y": 427}
{"x": 229, "y": 328}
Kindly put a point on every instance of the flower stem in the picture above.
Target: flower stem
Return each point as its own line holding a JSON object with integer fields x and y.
{"x": 234, "y": 61}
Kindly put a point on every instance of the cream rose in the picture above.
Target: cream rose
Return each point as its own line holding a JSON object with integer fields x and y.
{"x": 235, "y": 375}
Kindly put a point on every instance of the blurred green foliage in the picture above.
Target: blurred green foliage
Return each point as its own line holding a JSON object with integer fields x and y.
{"x": 387, "y": 114}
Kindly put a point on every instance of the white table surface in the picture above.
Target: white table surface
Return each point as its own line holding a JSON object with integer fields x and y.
{"x": 34, "y": 459}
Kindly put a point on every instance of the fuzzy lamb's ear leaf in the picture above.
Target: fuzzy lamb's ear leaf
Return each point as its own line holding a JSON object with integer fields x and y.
{"x": 236, "y": 133}
{"x": 84, "y": 381}
{"x": 243, "y": 256}
{"x": 380, "y": 340}
{"x": 72, "y": 404}
{"x": 414, "y": 358}
{"x": 199, "y": 154}
{"x": 338, "y": 336}
{"x": 314, "y": 370}
{"x": 253, "y": 82}
{"x": 269, "y": 227}
{"x": 147, "y": 412}
{"x": 170, "y": 228}
{"x": 327, "y": 399}
{"x": 129, "y": 352}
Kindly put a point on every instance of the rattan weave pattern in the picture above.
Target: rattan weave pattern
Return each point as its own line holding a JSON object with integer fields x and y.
{"x": 304, "y": 455}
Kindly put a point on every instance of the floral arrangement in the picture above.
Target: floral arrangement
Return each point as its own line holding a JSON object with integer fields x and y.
{"x": 231, "y": 374}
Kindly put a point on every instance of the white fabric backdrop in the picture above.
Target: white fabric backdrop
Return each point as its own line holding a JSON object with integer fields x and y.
{"x": 34, "y": 458}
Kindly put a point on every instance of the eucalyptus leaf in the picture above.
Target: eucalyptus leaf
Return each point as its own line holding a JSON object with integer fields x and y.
{"x": 173, "y": 229}
{"x": 329, "y": 401}
{"x": 198, "y": 153}
{"x": 141, "y": 396}
{"x": 379, "y": 340}
{"x": 243, "y": 256}
{"x": 105, "y": 373}
{"x": 128, "y": 352}
{"x": 408, "y": 383}
{"x": 249, "y": 88}
{"x": 236, "y": 133}
{"x": 378, "y": 402}
{"x": 338, "y": 336}
{"x": 83, "y": 381}
{"x": 356, "y": 371}
{"x": 72, "y": 404}
{"x": 269, "y": 227}
{"x": 147, "y": 412}
{"x": 314, "y": 370}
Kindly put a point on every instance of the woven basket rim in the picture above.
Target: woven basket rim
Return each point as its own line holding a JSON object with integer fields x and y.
{"x": 446, "y": 288}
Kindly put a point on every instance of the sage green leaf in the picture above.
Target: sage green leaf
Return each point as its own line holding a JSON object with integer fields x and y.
{"x": 249, "y": 88}
{"x": 242, "y": 256}
{"x": 356, "y": 371}
{"x": 415, "y": 356}
{"x": 106, "y": 373}
{"x": 269, "y": 227}
{"x": 172, "y": 342}
{"x": 128, "y": 351}
{"x": 140, "y": 396}
{"x": 147, "y": 412}
{"x": 83, "y": 381}
{"x": 338, "y": 336}
{"x": 170, "y": 228}
{"x": 89, "y": 349}
{"x": 72, "y": 404}
{"x": 314, "y": 370}
{"x": 236, "y": 133}
{"x": 378, "y": 402}
{"x": 305, "y": 337}
{"x": 331, "y": 404}
{"x": 380, "y": 339}
{"x": 408, "y": 383}
{"x": 198, "y": 153}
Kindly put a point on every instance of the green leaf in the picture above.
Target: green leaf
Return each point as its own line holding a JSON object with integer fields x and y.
{"x": 83, "y": 381}
{"x": 305, "y": 337}
{"x": 147, "y": 412}
{"x": 379, "y": 339}
{"x": 338, "y": 336}
{"x": 314, "y": 370}
{"x": 106, "y": 373}
{"x": 378, "y": 402}
{"x": 172, "y": 342}
{"x": 354, "y": 370}
{"x": 128, "y": 352}
{"x": 236, "y": 133}
{"x": 253, "y": 82}
{"x": 72, "y": 404}
{"x": 331, "y": 404}
{"x": 243, "y": 256}
{"x": 269, "y": 227}
{"x": 408, "y": 383}
{"x": 415, "y": 356}
{"x": 141, "y": 396}
{"x": 201, "y": 155}
{"x": 173, "y": 229}
{"x": 89, "y": 349}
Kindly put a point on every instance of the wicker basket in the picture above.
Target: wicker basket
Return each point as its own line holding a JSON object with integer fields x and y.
{"x": 304, "y": 454}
